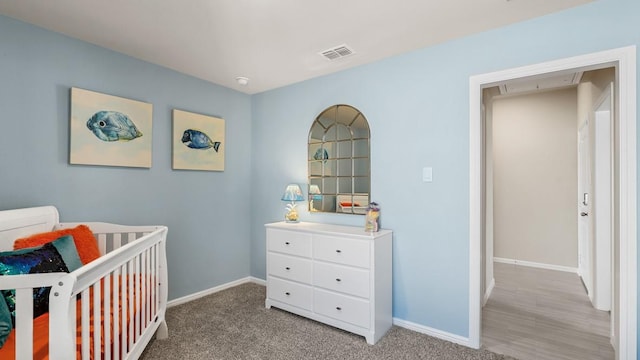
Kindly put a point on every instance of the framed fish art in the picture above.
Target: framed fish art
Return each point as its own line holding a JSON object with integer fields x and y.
{"x": 109, "y": 130}
{"x": 198, "y": 141}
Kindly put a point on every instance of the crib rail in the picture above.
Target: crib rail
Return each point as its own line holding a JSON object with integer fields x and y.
{"x": 112, "y": 236}
{"x": 117, "y": 301}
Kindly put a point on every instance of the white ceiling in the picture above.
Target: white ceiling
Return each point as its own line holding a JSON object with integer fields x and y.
{"x": 272, "y": 42}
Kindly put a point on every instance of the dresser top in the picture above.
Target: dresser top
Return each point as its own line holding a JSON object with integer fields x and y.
{"x": 329, "y": 229}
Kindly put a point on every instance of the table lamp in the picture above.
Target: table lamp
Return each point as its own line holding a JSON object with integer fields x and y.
{"x": 292, "y": 193}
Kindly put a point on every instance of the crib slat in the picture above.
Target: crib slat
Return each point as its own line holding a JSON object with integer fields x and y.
{"x": 156, "y": 278}
{"x": 136, "y": 297}
{"x": 24, "y": 329}
{"x": 131, "y": 312}
{"x": 106, "y": 300}
{"x": 131, "y": 237}
{"x": 102, "y": 243}
{"x": 85, "y": 318}
{"x": 153, "y": 282}
{"x": 116, "y": 314}
{"x": 150, "y": 310}
{"x": 96, "y": 321}
{"x": 72, "y": 317}
{"x": 125, "y": 317}
{"x": 143, "y": 296}
{"x": 117, "y": 241}
{"x": 152, "y": 286}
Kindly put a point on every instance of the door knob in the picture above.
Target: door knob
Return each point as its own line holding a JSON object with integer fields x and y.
{"x": 584, "y": 213}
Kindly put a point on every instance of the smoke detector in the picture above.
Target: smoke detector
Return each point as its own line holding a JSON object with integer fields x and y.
{"x": 337, "y": 52}
{"x": 242, "y": 81}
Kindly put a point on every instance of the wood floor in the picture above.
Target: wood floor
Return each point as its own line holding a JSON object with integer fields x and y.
{"x": 543, "y": 314}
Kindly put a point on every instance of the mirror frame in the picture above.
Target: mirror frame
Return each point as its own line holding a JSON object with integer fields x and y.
{"x": 339, "y": 161}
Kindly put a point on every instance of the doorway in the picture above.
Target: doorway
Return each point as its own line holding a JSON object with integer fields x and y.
{"x": 532, "y": 163}
{"x": 625, "y": 269}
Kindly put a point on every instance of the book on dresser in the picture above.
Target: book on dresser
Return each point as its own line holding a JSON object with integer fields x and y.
{"x": 338, "y": 275}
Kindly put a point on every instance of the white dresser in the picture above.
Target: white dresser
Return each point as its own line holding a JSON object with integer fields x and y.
{"x": 338, "y": 275}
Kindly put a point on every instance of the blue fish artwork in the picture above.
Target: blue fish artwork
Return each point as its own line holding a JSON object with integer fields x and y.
{"x": 113, "y": 126}
{"x": 196, "y": 139}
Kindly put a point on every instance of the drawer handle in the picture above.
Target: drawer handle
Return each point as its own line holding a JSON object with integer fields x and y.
{"x": 338, "y": 279}
{"x": 338, "y": 251}
{"x": 287, "y": 243}
{"x": 338, "y": 308}
{"x": 287, "y": 268}
{"x": 287, "y": 293}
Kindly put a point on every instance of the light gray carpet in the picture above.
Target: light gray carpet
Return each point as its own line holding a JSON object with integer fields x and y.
{"x": 234, "y": 324}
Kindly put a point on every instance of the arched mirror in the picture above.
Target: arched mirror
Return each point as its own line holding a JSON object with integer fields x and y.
{"x": 339, "y": 162}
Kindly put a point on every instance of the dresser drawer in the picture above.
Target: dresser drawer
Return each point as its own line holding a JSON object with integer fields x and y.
{"x": 289, "y": 267}
{"x": 341, "y": 307}
{"x": 341, "y": 250}
{"x": 289, "y": 242}
{"x": 290, "y": 293}
{"x": 341, "y": 278}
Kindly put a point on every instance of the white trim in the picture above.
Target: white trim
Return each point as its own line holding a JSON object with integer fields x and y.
{"x": 258, "y": 281}
{"x": 203, "y": 293}
{"x": 625, "y": 61}
{"x": 487, "y": 294}
{"x": 432, "y": 332}
{"x": 475, "y": 209}
{"x": 628, "y": 266}
{"x": 536, "y": 265}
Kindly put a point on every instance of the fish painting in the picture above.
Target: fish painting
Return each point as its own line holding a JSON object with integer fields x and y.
{"x": 196, "y": 139}
{"x": 113, "y": 126}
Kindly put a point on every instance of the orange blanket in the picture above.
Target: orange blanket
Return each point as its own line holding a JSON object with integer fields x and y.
{"x": 41, "y": 329}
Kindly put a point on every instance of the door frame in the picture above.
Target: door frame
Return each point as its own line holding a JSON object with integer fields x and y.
{"x": 624, "y": 60}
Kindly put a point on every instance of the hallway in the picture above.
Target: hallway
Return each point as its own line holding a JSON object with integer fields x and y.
{"x": 543, "y": 314}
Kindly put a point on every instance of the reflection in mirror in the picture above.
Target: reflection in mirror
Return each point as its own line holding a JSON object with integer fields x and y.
{"x": 339, "y": 162}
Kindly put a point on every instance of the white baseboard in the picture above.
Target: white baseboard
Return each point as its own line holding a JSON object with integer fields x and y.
{"x": 433, "y": 332}
{"x": 487, "y": 294}
{"x": 536, "y": 265}
{"x": 199, "y": 294}
{"x": 258, "y": 281}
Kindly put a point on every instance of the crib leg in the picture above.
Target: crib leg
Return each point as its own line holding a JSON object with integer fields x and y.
{"x": 163, "y": 331}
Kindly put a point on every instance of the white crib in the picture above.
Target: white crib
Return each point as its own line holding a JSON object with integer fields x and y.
{"x": 133, "y": 259}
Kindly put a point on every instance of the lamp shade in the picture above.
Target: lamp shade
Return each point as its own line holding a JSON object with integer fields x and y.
{"x": 292, "y": 193}
{"x": 314, "y": 189}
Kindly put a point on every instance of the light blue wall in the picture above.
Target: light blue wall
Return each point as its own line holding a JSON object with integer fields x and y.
{"x": 417, "y": 105}
{"x": 206, "y": 212}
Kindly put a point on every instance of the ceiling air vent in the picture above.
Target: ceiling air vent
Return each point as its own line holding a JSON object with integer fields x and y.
{"x": 337, "y": 52}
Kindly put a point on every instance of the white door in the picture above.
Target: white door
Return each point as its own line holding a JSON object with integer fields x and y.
{"x": 584, "y": 207}
{"x": 595, "y": 203}
{"x": 602, "y": 202}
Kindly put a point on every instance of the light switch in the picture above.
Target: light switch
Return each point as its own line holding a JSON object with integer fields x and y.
{"x": 427, "y": 174}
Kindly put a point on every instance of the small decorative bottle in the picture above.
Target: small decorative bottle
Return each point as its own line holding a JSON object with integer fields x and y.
{"x": 372, "y": 219}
